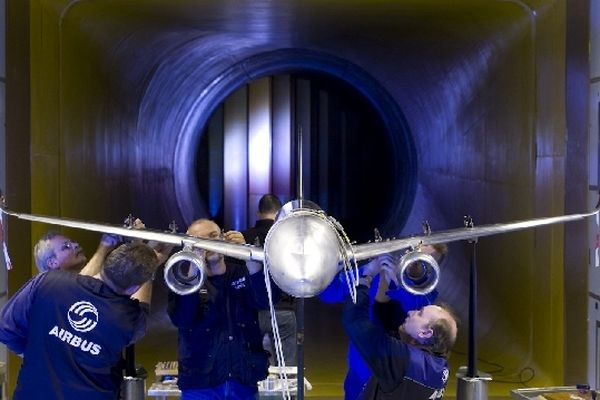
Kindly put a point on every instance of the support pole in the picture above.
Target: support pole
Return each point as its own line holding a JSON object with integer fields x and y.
{"x": 472, "y": 351}
{"x": 300, "y": 347}
{"x": 133, "y": 386}
{"x": 300, "y": 303}
{"x": 472, "y": 385}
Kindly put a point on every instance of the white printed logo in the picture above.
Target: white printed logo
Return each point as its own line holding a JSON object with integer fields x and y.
{"x": 239, "y": 283}
{"x": 445, "y": 375}
{"x": 83, "y": 316}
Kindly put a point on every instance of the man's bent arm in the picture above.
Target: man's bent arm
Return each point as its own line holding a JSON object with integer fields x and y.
{"x": 385, "y": 355}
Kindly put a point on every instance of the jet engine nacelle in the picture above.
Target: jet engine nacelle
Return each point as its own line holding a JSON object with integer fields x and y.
{"x": 185, "y": 272}
{"x": 418, "y": 272}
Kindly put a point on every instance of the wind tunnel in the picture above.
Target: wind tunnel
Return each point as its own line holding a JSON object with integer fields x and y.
{"x": 454, "y": 108}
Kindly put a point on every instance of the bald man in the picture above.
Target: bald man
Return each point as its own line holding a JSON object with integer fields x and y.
{"x": 220, "y": 343}
{"x": 411, "y": 366}
{"x": 395, "y": 305}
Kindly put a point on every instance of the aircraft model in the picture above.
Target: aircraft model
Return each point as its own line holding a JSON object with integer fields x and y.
{"x": 304, "y": 249}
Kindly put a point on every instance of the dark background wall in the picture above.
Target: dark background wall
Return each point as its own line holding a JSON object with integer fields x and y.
{"x": 117, "y": 94}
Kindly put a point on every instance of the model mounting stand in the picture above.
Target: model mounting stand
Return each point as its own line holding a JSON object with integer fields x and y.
{"x": 471, "y": 384}
{"x": 471, "y": 388}
{"x": 133, "y": 386}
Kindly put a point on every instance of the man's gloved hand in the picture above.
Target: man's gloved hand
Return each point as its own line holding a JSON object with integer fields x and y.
{"x": 110, "y": 240}
{"x": 113, "y": 240}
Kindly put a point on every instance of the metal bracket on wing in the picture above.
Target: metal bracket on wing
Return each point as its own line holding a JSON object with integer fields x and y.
{"x": 235, "y": 250}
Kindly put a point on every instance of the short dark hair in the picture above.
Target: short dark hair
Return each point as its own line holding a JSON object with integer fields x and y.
{"x": 130, "y": 264}
{"x": 269, "y": 203}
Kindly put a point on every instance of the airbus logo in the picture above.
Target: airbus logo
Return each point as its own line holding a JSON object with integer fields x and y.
{"x": 83, "y": 316}
{"x": 445, "y": 375}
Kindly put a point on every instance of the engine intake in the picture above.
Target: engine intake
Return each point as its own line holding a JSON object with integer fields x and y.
{"x": 185, "y": 272}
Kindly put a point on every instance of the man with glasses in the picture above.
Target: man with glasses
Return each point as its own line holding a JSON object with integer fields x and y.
{"x": 56, "y": 251}
{"x": 71, "y": 328}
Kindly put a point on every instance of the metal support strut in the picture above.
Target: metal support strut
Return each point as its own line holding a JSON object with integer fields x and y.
{"x": 472, "y": 385}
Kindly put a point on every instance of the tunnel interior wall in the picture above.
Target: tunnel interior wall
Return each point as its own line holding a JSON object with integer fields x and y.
{"x": 118, "y": 88}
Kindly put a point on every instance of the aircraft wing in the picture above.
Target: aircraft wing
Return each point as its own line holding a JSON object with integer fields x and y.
{"x": 368, "y": 250}
{"x": 254, "y": 253}
{"x": 240, "y": 251}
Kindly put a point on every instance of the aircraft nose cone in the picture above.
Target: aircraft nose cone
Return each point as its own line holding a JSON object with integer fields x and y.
{"x": 303, "y": 252}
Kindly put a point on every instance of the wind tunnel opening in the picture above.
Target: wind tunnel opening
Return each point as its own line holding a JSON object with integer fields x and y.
{"x": 349, "y": 159}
